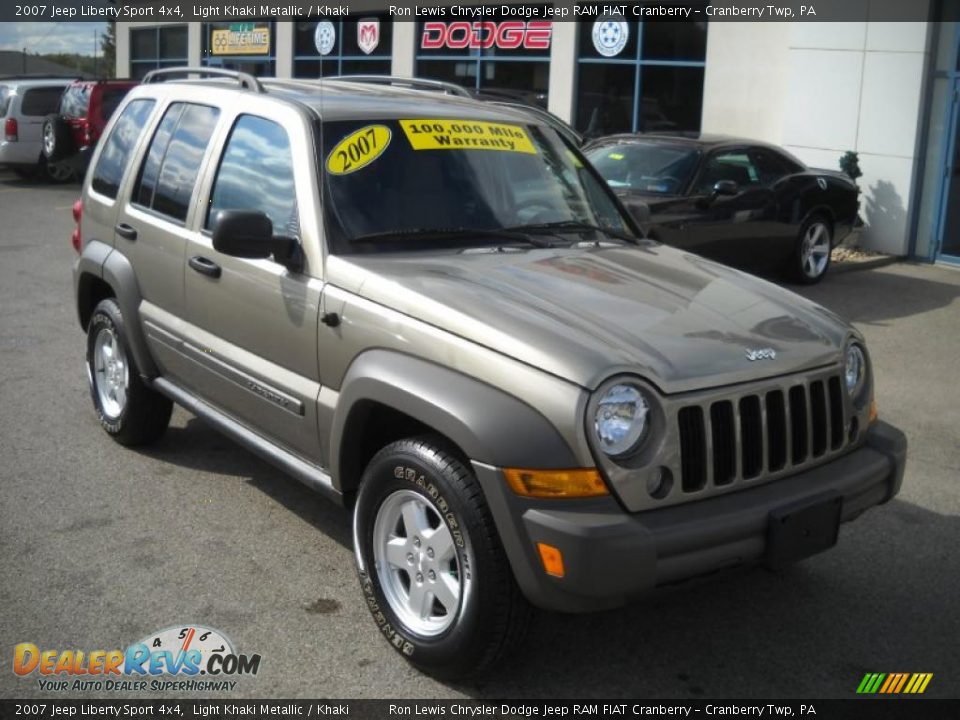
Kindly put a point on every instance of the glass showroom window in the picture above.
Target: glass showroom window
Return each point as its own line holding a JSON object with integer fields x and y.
{"x": 509, "y": 57}
{"x": 157, "y": 47}
{"x": 361, "y": 46}
{"x": 249, "y": 47}
{"x": 639, "y": 76}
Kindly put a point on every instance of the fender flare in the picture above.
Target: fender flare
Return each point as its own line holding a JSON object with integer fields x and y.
{"x": 100, "y": 260}
{"x": 487, "y": 424}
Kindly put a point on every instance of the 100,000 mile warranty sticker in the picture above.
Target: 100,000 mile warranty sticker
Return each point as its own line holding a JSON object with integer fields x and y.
{"x": 467, "y": 135}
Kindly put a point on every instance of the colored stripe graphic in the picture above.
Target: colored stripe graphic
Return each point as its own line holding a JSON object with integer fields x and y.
{"x": 894, "y": 683}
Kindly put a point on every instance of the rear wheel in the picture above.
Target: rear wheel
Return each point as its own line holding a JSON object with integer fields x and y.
{"x": 432, "y": 568}
{"x": 130, "y": 412}
{"x": 54, "y": 172}
{"x": 811, "y": 256}
{"x": 57, "y": 140}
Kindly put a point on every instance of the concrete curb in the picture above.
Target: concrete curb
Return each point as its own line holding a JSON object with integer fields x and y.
{"x": 842, "y": 267}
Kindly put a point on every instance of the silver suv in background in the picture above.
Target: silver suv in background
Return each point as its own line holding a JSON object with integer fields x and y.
{"x": 436, "y": 313}
{"x": 25, "y": 103}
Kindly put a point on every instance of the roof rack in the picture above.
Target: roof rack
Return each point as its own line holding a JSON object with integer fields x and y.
{"x": 414, "y": 83}
{"x": 244, "y": 79}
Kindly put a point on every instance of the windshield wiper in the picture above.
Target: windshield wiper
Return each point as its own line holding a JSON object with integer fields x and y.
{"x": 455, "y": 233}
{"x": 563, "y": 226}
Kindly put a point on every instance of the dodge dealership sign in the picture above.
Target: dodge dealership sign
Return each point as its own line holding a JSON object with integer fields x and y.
{"x": 510, "y": 35}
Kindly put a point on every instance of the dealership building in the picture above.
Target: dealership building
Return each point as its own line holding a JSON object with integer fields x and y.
{"x": 889, "y": 91}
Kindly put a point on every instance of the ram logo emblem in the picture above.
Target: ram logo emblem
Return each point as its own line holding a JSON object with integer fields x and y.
{"x": 761, "y": 354}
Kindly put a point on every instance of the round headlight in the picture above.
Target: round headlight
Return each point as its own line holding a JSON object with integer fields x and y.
{"x": 855, "y": 369}
{"x": 621, "y": 419}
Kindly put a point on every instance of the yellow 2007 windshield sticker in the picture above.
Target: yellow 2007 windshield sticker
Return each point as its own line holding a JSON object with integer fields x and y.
{"x": 358, "y": 149}
{"x": 467, "y": 135}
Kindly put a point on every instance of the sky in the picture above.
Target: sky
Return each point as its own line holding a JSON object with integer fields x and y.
{"x": 50, "y": 37}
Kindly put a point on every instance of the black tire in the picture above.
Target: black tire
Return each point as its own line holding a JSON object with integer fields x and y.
{"x": 492, "y": 615}
{"x": 57, "y": 138}
{"x": 54, "y": 173}
{"x": 144, "y": 415}
{"x": 801, "y": 269}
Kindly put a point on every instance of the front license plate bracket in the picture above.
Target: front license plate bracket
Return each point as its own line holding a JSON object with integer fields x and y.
{"x": 797, "y": 531}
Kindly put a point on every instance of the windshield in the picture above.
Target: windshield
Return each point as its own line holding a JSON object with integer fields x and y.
{"x": 404, "y": 180}
{"x": 648, "y": 167}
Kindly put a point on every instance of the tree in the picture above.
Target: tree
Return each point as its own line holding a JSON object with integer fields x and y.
{"x": 108, "y": 45}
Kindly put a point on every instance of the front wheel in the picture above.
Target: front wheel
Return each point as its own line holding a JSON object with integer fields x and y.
{"x": 432, "y": 569}
{"x": 811, "y": 256}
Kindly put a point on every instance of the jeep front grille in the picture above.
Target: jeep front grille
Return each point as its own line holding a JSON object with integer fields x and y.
{"x": 760, "y": 434}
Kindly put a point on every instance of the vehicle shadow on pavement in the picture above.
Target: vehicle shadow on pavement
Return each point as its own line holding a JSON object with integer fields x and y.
{"x": 876, "y": 296}
{"x": 199, "y": 447}
{"x": 882, "y": 600}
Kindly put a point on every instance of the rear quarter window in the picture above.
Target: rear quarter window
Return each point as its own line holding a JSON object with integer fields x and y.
{"x": 41, "y": 101}
{"x": 5, "y": 96}
{"x": 116, "y": 152}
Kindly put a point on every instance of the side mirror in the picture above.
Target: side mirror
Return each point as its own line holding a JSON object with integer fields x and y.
{"x": 249, "y": 234}
{"x": 638, "y": 209}
{"x": 726, "y": 188}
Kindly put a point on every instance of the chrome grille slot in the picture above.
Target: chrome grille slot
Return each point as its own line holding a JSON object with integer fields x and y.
{"x": 798, "y": 423}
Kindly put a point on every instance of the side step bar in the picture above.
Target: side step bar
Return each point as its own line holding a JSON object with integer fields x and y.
{"x": 310, "y": 475}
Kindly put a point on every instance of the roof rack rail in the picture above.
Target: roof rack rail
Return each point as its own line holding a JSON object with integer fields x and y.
{"x": 414, "y": 83}
{"x": 245, "y": 80}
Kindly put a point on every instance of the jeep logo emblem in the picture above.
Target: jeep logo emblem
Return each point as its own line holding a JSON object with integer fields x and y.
{"x": 761, "y": 354}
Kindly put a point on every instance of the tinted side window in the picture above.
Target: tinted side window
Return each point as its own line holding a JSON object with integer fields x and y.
{"x": 172, "y": 165}
{"x": 735, "y": 165}
{"x": 41, "y": 101}
{"x": 772, "y": 167}
{"x": 116, "y": 152}
{"x": 110, "y": 101}
{"x": 256, "y": 173}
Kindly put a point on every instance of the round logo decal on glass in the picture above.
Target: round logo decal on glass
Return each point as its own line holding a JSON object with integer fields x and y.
{"x": 610, "y": 35}
{"x": 325, "y": 37}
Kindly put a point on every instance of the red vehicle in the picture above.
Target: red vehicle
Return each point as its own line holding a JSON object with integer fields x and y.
{"x": 70, "y": 134}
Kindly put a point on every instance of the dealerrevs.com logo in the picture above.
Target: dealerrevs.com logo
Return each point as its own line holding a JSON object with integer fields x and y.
{"x": 198, "y": 658}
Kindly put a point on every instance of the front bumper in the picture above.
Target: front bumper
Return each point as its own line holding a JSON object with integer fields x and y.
{"x": 611, "y": 556}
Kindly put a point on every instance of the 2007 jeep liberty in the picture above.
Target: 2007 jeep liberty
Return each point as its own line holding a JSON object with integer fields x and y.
{"x": 433, "y": 311}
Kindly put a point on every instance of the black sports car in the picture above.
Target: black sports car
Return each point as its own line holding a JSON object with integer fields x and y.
{"x": 741, "y": 202}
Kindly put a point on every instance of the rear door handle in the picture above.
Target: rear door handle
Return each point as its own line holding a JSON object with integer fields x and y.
{"x": 204, "y": 266}
{"x": 126, "y": 231}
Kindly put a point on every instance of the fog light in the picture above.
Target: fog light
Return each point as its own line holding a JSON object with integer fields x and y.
{"x": 659, "y": 483}
{"x": 551, "y": 558}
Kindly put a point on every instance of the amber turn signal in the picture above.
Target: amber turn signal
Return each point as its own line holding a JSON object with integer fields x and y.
{"x": 874, "y": 413}
{"x": 578, "y": 483}
{"x": 551, "y": 558}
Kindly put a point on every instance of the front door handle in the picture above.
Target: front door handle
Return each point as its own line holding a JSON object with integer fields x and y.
{"x": 204, "y": 266}
{"x": 126, "y": 231}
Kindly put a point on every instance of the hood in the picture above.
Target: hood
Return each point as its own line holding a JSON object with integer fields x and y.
{"x": 584, "y": 314}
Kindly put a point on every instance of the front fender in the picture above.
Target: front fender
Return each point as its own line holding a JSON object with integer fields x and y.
{"x": 487, "y": 424}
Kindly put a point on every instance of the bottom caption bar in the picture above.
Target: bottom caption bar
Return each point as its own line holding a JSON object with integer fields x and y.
{"x": 875, "y": 708}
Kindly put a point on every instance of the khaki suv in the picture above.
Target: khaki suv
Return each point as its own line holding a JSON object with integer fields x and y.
{"x": 433, "y": 311}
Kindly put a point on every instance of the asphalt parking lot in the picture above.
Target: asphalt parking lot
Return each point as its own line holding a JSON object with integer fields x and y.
{"x": 100, "y": 545}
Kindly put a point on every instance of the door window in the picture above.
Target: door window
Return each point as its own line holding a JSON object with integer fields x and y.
{"x": 771, "y": 167}
{"x": 116, "y": 153}
{"x": 256, "y": 173}
{"x": 170, "y": 169}
{"x": 735, "y": 165}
